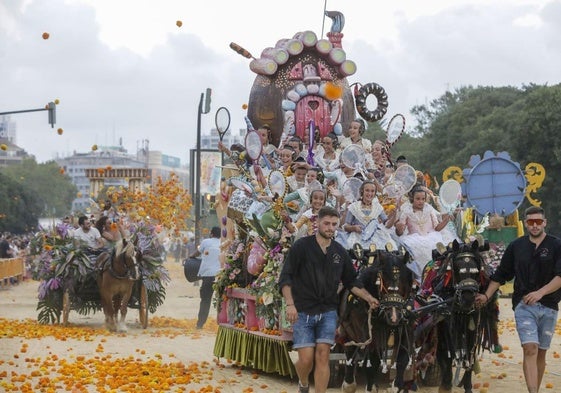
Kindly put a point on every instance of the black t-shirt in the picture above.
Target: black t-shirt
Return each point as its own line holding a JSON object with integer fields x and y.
{"x": 314, "y": 277}
{"x": 531, "y": 268}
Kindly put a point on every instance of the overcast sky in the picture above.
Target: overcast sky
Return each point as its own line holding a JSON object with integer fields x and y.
{"x": 123, "y": 69}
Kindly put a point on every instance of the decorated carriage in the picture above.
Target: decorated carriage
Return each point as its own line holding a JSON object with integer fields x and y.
{"x": 69, "y": 275}
{"x": 301, "y": 89}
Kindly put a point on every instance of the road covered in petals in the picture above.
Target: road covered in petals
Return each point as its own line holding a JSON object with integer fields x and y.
{"x": 173, "y": 356}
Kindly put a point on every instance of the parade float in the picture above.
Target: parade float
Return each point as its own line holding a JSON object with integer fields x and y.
{"x": 302, "y": 89}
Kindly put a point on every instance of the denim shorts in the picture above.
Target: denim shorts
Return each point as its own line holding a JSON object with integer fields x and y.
{"x": 535, "y": 324}
{"x": 309, "y": 330}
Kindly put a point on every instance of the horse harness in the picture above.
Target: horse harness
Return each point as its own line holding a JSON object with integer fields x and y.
{"x": 131, "y": 271}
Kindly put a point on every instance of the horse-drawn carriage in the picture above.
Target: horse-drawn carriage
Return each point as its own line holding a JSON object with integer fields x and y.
{"x": 301, "y": 89}
{"x": 76, "y": 278}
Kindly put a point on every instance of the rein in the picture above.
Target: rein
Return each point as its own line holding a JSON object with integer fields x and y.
{"x": 127, "y": 274}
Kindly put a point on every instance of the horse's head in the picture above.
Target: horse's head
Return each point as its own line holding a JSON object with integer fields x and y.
{"x": 466, "y": 264}
{"x": 126, "y": 254}
{"x": 394, "y": 283}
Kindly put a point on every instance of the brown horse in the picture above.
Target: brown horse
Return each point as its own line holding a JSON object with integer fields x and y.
{"x": 118, "y": 272}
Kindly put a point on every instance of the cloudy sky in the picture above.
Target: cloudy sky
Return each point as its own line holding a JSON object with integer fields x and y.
{"x": 123, "y": 69}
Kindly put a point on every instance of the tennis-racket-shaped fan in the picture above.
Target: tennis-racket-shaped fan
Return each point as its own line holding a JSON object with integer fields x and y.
{"x": 450, "y": 195}
{"x": 253, "y": 146}
{"x": 242, "y": 184}
{"x": 351, "y": 190}
{"x": 277, "y": 183}
{"x": 222, "y": 121}
{"x": 354, "y": 156}
{"x": 401, "y": 182}
{"x": 254, "y": 149}
{"x": 394, "y": 130}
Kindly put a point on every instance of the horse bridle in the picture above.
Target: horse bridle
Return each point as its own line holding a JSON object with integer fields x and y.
{"x": 134, "y": 276}
{"x": 465, "y": 273}
{"x": 392, "y": 302}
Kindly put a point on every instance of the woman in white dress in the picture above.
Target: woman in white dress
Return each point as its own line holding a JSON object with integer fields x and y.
{"x": 327, "y": 153}
{"x": 419, "y": 229}
{"x": 366, "y": 223}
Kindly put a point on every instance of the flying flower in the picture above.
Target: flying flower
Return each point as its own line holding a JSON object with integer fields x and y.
{"x": 333, "y": 91}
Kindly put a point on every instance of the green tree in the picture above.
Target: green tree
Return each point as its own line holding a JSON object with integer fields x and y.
{"x": 53, "y": 189}
{"x": 19, "y": 207}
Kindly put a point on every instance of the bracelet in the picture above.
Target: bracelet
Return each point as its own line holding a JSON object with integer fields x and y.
{"x": 487, "y": 297}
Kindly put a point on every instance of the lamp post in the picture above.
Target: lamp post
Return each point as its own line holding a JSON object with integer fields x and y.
{"x": 197, "y": 193}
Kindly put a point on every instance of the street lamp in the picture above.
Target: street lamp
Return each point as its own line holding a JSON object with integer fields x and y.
{"x": 206, "y": 99}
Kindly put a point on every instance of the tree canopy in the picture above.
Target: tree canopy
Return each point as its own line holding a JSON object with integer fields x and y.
{"x": 33, "y": 190}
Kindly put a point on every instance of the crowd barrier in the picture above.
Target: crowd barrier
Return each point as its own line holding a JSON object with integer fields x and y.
{"x": 12, "y": 270}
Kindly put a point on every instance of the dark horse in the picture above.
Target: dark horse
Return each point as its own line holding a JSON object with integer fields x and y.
{"x": 461, "y": 330}
{"x": 381, "y": 339}
{"x": 118, "y": 272}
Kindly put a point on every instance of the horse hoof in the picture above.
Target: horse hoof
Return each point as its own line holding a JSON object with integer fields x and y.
{"x": 348, "y": 387}
{"x": 122, "y": 328}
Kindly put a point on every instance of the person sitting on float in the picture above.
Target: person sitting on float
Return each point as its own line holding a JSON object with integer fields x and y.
{"x": 296, "y": 143}
{"x": 355, "y": 132}
{"x": 299, "y": 170}
{"x": 306, "y": 224}
{"x": 111, "y": 231}
{"x": 419, "y": 229}
{"x": 286, "y": 158}
{"x": 365, "y": 221}
{"x": 268, "y": 154}
{"x": 296, "y": 201}
{"x": 341, "y": 174}
{"x": 377, "y": 168}
{"x": 327, "y": 153}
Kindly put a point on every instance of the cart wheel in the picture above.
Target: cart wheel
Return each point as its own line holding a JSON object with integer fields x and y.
{"x": 65, "y": 307}
{"x": 143, "y": 307}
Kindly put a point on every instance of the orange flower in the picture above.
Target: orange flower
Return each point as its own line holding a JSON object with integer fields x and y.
{"x": 333, "y": 91}
{"x": 46, "y": 36}
{"x": 59, "y": 131}
{"x": 179, "y": 23}
{"x": 244, "y": 107}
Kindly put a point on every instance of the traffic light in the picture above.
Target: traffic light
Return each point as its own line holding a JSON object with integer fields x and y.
{"x": 207, "y": 100}
{"x": 51, "y": 107}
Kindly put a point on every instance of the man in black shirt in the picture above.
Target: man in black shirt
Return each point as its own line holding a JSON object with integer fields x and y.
{"x": 309, "y": 280}
{"x": 534, "y": 261}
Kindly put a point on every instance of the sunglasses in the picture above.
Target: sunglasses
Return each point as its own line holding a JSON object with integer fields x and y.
{"x": 534, "y": 221}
